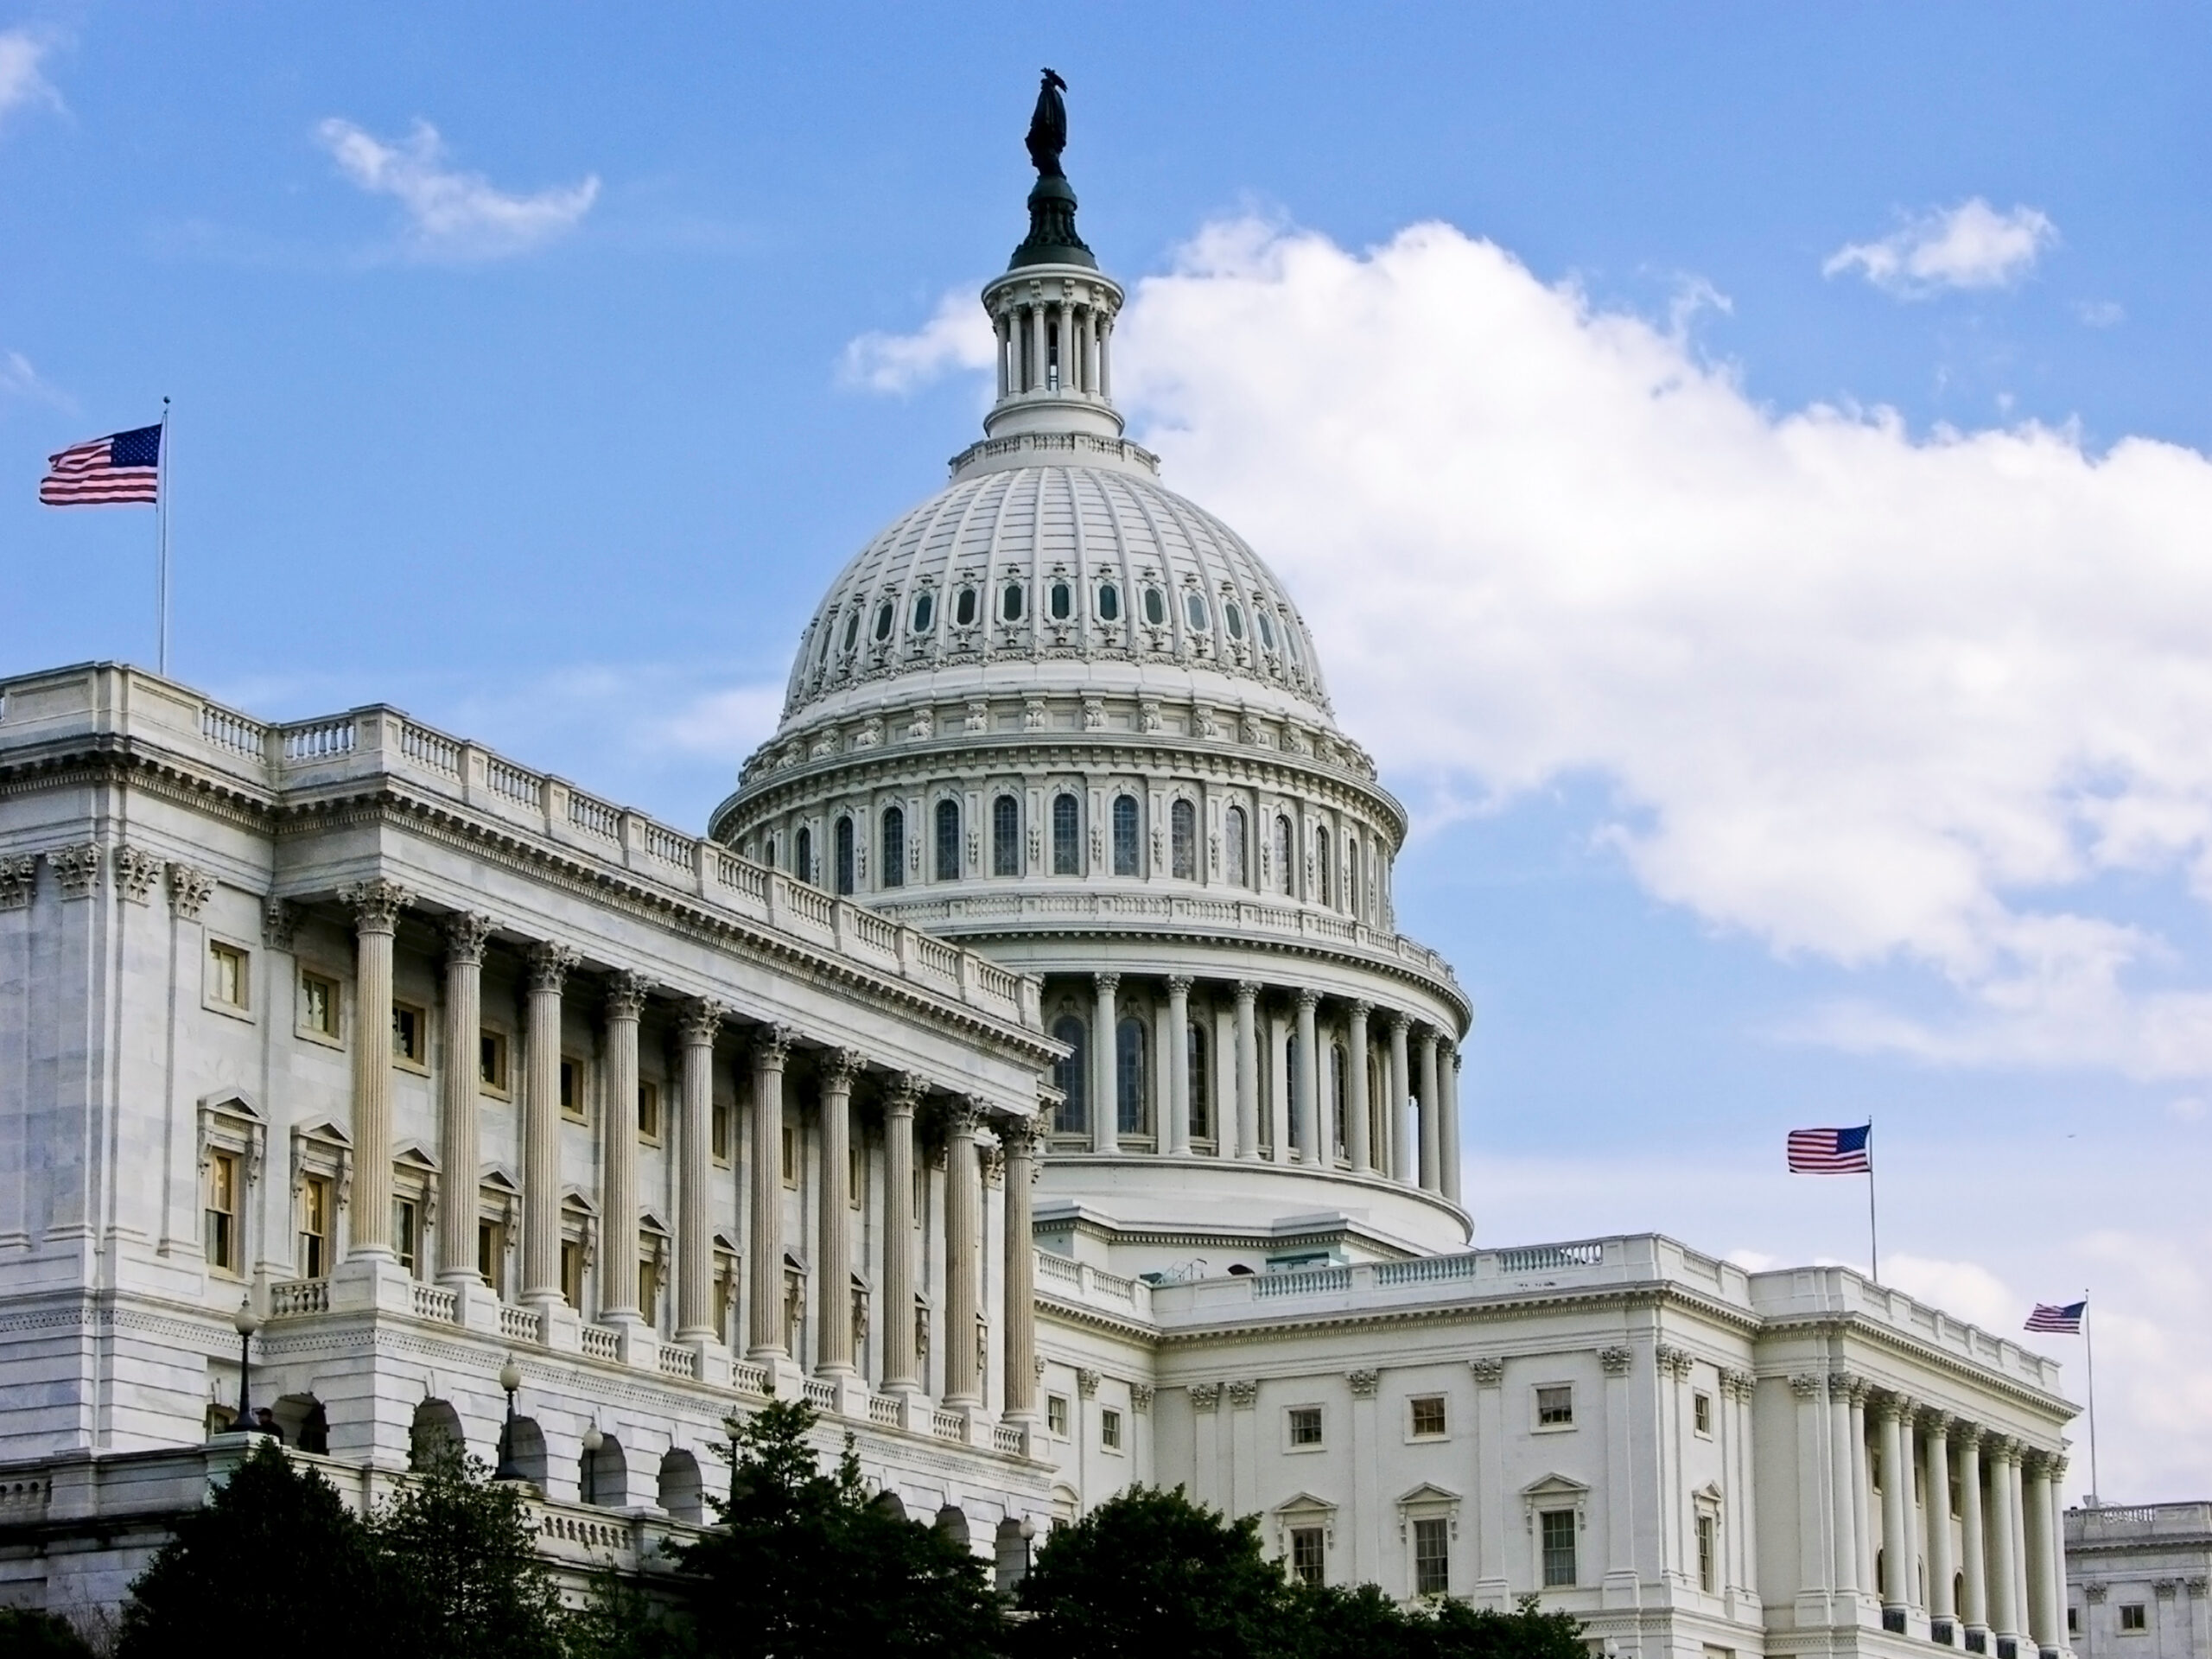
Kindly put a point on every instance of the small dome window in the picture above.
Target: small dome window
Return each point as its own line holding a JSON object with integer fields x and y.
{"x": 1232, "y": 616}
{"x": 1194, "y": 608}
{"x": 883, "y": 615}
{"x": 851, "y": 631}
{"x": 924, "y": 612}
{"x": 1156, "y": 608}
{"x": 963, "y": 608}
{"x": 1109, "y": 603}
{"x": 1266, "y": 628}
{"x": 1290, "y": 639}
{"x": 1010, "y": 601}
{"x": 1061, "y": 600}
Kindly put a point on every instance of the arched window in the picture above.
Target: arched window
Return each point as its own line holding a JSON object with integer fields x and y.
{"x": 1194, "y": 611}
{"x": 1235, "y": 846}
{"x": 1109, "y": 603}
{"x": 1232, "y": 617}
{"x": 1321, "y": 859}
{"x": 924, "y": 611}
{"x": 1010, "y": 601}
{"x": 851, "y": 631}
{"x": 883, "y": 614}
{"x": 1070, "y": 1075}
{"x": 1183, "y": 841}
{"x": 1283, "y": 855}
{"x": 1266, "y": 628}
{"x": 1201, "y": 1090}
{"x": 893, "y": 873}
{"x": 1125, "y": 834}
{"x": 1067, "y": 836}
{"x": 1006, "y": 836}
{"x": 948, "y": 840}
{"x": 803, "y": 853}
{"x": 1129, "y": 1078}
{"x": 844, "y": 854}
{"x": 1339, "y": 1090}
{"x": 1351, "y": 876}
{"x": 963, "y": 608}
{"x": 1062, "y": 602}
{"x": 1156, "y": 608}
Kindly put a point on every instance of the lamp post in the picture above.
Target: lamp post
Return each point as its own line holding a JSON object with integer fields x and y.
{"x": 245, "y": 1323}
{"x": 593, "y": 1440}
{"x": 510, "y": 1379}
{"x": 1028, "y": 1534}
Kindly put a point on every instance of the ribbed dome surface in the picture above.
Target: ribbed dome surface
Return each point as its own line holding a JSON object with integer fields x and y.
{"x": 1060, "y": 575}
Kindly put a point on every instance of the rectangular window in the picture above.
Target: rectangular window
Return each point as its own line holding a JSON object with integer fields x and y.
{"x": 572, "y": 1090}
{"x": 1556, "y": 1407}
{"x": 314, "y": 1261}
{"x": 649, "y": 1287}
{"x": 1305, "y": 1426}
{"x": 725, "y": 1294}
{"x": 228, "y": 981}
{"x": 491, "y": 1061}
{"x": 921, "y": 1192}
{"x": 407, "y": 1232}
{"x": 718, "y": 1133}
{"x": 1055, "y": 1414}
{"x": 1432, "y": 1556}
{"x": 649, "y": 1112}
{"x": 410, "y": 1034}
{"x": 791, "y": 1156}
{"x": 1558, "y": 1532}
{"x": 1707, "y": 1527}
{"x": 572, "y": 1272}
{"x": 855, "y": 1178}
{"x": 2134, "y": 1616}
{"x": 2072, "y": 1621}
{"x": 1109, "y": 1429}
{"x": 223, "y": 1241}
{"x": 1428, "y": 1415}
{"x": 1702, "y": 1414}
{"x": 491, "y": 1256}
{"x": 1307, "y": 1554}
{"x": 319, "y": 1005}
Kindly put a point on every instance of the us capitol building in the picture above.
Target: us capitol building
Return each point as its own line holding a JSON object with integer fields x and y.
{"x": 1026, "y": 1069}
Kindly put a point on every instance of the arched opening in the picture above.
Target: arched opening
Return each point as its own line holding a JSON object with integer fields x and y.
{"x": 843, "y": 855}
{"x": 1236, "y": 848}
{"x": 883, "y": 615}
{"x": 1010, "y": 602}
{"x": 1125, "y": 834}
{"x": 952, "y": 1523}
{"x": 963, "y": 608}
{"x": 1061, "y": 600}
{"x": 526, "y": 1445}
{"x": 1010, "y": 1556}
{"x": 1067, "y": 836}
{"x": 1201, "y": 1085}
{"x": 1006, "y": 836}
{"x": 948, "y": 840}
{"x": 803, "y": 853}
{"x": 1071, "y": 1118}
{"x": 888, "y": 1503}
{"x": 1183, "y": 841}
{"x": 1351, "y": 878}
{"x": 1129, "y": 1078}
{"x": 680, "y": 1492}
{"x": 893, "y": 871}
{"x": 603, "y": 1475}
{"x": 1284, "y": 871}
{"x": 1339, "y": 1091}
{"x": 433, "y": 1434}
{"x": 300, "y": 1421}
{"x": 1322, "y": 857}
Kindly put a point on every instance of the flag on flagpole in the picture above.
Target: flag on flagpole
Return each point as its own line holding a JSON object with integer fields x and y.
{"x": 1832, "y": 1152}
{"x": 123, "y": 466}
{"x": 2063, "y": 1319}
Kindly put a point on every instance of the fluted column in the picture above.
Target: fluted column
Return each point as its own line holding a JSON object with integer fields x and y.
{"x": 2003, "y": 1554}
{"x": 1817, "y": 1505}
{"x": 1248, "y": 1069}
{"x": 833, "y": 1267}
{"x": 1973, "y": 1542}
{"x": 618, "y": 1159}
{"x": 898, "y": 1235}
{"x": 1407, "y": 1169}
{"x": 1897, "y": 1505}
{"x": 1860, "y": 1515}
{"x": 1448, "y": 1079}
{"x": 1936, "y": 1520}
{"x": 2023, "y": 1594}
{"x": 695, "y": 1256}
{"x": 376, "y": 906}
{"x": 962, "y": 1234}
{"x": 1432, "y": 1138}
{"x": 1356, "y": 1141}
{"x": 1175, "y": 1134}
{"x": 1019, "y": 1138}
{"x": 1846, "y": 1395}
{"x": 458, "y": 1152}
{"x": 541, "y": 1143}
{"x": 2046, "y": 1577}
{"x": 1105, "y": 1098}
{"x": 765, "y": 1338}
{"x": 1038, "y": 367}
{"x": 1307, "y": 1132}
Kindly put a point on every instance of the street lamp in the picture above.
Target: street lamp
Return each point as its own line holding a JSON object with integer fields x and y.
{"x": 245, "y": 1323}
{"x": 1028, "y": 1533}
{"x": 510, "y": 1379}
{"x": 593, "y": 1440}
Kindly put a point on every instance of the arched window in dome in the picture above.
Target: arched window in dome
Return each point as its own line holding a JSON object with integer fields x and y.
{"x": 1195, "y": 612}
{"x": 1109, "y": 603}
{"x": 1284, "y": 855}
{"x": 894, "y": 873}
{"x": 842, "y": 851}
{"x": 1290, "y": 642}
{"x": 1006, "y": 835}
{"x": 963, "y": 608}
{"x": 1322, "y": 855}
{"x": 1201, "y": 1085}
{"x": 852, "y": 632}
{"x": 1010, "y": 602}
{"x": 1156, "y": 608}
{"x": 1183, "y": 841}
{"x": 924, "y": 611}
{"x": 883, "y": 617}
{"x": 1232, "y": 617}
{"x": 1340, "y": 1092}
{"x": 1351, "y": 876}
{"x": 1236, "y": 848}
{"x": 948, "y": 840}
{"x": 803, "y": 853}
{"x": 1129, "y": 1078}
{"x": 1070, "y": 1076}
{"x": 1067, "y": 836}
{"x": 1061, "y": 601}
{"x": 1125, "y": 834}
{"x": 1266, "y": 628}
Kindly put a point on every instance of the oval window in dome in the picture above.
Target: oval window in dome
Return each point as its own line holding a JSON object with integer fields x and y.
{"x": 1232, "y": 615}
{"x": 1266, "y": 628}
{"x": 924, "y": 612}
{"x": 1109, "y": 603}
{"x": 883, "y": 621}
{"x": 1010, "y": 602}
{"x": 1194, "y": 608}
{"x": 963, "y": 608}
{"x": 851, "y": 631}
{"x": 1063, "y": 602}
{"x": 1156, "y": 608}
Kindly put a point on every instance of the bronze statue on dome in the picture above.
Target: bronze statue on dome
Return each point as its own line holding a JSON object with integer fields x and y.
{"x": 1048, "y": 128}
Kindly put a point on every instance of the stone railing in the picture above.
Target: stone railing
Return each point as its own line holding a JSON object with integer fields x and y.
{"x": 883, "y": 1410}
{"x": 948, "y": 1426}
{"x": 295, "y": 1297}
{"x": 436, "y": 1303}
{"x": 822, "y": 1395}
{"x": 599, "y": 1343}
{"x": 677, "y": 1360}
{"x": 748, "y": 1378}
{"x": 521, "y": 1324}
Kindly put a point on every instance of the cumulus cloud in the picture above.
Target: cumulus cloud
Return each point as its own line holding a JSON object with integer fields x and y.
{"x": 19, "y": 379}
{"x": 23, "y": 84}
{"x": 1971, "y": 246}
{"x": 450, "y": 213}
{"x": 958, "y": 337}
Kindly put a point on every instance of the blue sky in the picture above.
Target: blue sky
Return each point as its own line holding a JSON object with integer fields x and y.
{"x": 1818, "y": 736}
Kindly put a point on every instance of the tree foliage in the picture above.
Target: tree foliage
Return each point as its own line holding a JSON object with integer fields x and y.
{"x": 466, "y": 1580}
{"x": 29, "y": 1633}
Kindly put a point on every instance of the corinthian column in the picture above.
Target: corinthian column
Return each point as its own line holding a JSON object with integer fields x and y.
{"x": 695, "y": 1256}
{"x": 765, "y": 1279}
{"x": 1847, "y": 1461}
{"x": 898, "y": 1235}
{"x": 962, "y": 1234}
{"x": 1897, "y": 1505}
{"x": 1248, "y": 1069}
{"x": 1936, "y": 1508}
{"x": 1408, "y": 1166}
{"x": 618, "y": 1161}
{"x": 1448, "y": 1079}
{"x": 1106, "y": 1099}
{"x": 1308, "y": 1105}
{"x": 541, "y": 1141}
{"x": 1356, "y": 1111}
{"x": 1432, "y": 1142}
{"x": 1973, "y": 1543}
{"x": 458, "y": 1154}
{"x": 2046, "y": 1577}
{"x": 2005, "y": 1541}
{"x": 833, "y": 1274}
{"x": 1019, "y": 1138}
{"x": 376, "y": 906}
{"x": 1175, "y": 1134}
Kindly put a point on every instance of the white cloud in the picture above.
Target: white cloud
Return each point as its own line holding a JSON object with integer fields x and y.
{"x": 2100, "y": 314}
{"x": 958, "y": 337}
{"x": 726, "y": 725}
{"x": 19, "y": 379}
{"x": 22, "y": 85}
{"x": 1971, "y": 246}
{"x": 452, "y": 214}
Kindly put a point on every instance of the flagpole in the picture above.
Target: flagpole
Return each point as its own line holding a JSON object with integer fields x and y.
{"x": 162, "y": 521}
{"x": 2090, "y": 1353}
{"x": 1873, "y": 1232}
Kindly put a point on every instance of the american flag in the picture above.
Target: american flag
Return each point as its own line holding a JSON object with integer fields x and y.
{"x": 1832, "y": 1152}
{"x": 100, "y": 471}
{"x": 2064, "y": 1321}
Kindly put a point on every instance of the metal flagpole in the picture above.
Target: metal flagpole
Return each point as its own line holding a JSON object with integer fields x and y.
{"x": 2090, "y": 1353}
{"x": 161, "y": 520}
{"x": 1873, "y": 1233}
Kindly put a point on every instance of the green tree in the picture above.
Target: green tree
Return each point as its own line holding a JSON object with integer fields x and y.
{"x": 620, "y": 1621}
{"x": 461, "y": 1558}
{"x": 803, "y": 1564}
{"x": 274, "y": 1552}
{"x": 1149, "y": 1572}
{"x": 30, "y": 1633}
{"x": 1361, "y": 1621}
{"x": 1528, "y": 1632}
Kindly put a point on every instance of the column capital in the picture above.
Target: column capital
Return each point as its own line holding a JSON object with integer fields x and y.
{"x": 467, "y": 933}
{"x": 772, "y": 1047}
{"x": 966, "y": 1115}
{"x": 626, "y": 995}
{"x": 1617, "y": 1361}
{"x": 549, "y": 965}
{"x": 1897, "y": 1407}
{"x": 1363, "y": 1383}
{"x": 1966, "y": 1433}
{"x": 1808, "y": 1385}
{"x": 904, "y": 1095}
{"x": 1308, "y": 998}
{"x": 1087, "y": 1382}
{"x": 1400, "y": 1022}
{"x": 1459, "y": 1057}
{"x": 1488, "y": 1371}
{"x": 1179, "y": 984}
{"x": 1361, "y": 1008}
{"x": 1248, "y": 991}
{"x": 1022, "y": 1137}
{"x": 1849, "y": 1386}
{"x": 1107, "y": 984}
{"x": 280, "y": 919}
{"x": 701, "y": 1018}
{"x": 1737, "y": 1385}
{"x": 376, "y": 904}
{"x": 2000, "y": 1448}
{"x": 838, "y": 1066}
{"x": 1205, "y": 1396}
{"x": 1935, "y": 1421}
